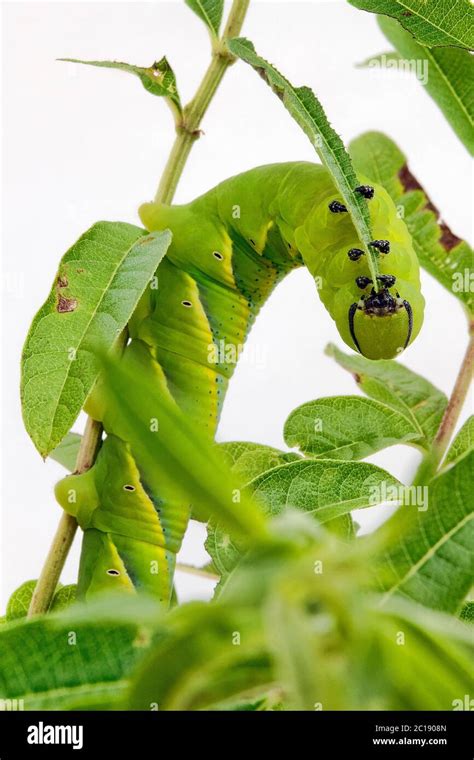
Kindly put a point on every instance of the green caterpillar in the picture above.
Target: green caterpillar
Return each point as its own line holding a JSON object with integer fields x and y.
{"x": 230, "y": 248}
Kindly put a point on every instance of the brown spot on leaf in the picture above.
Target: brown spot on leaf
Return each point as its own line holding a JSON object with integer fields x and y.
{"x": 62, "y": 281}
{"x": 410, "y": 182}
{"x": 357, "y": 377}
{"x": 407, "y": 13}
{"x": 279, "y": 91}
{"x": 66, "y": 304}
{"x": 407, "y": 179}
{"x": 448, "y": 239}
{"x": 79, "y": 271}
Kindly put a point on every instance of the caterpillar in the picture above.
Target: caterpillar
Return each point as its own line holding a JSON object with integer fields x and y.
{"x": 230, "y": 248}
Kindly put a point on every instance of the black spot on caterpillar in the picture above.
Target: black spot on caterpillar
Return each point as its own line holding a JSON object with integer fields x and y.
{"x": 366, "y": 191}
{"x": 355, "y": 254}
{"x": 382, "y": 245}
{"x": 387, "y": 280}
{"x": 336, "y": 207}
{"x": 363, "y": 281}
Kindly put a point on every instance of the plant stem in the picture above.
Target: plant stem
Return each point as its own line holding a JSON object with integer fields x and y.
{"x": 188, "y": 129}
{"x": 198, "y": 571}
{"x": 430, "y": 463}
{"x": 66, "y": 530}
{"x": 187, "y": 133}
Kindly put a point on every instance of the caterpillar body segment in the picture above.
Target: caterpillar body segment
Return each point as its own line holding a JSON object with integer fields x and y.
{"x": 284, "y": 212}
{"x": 230, "y": 248}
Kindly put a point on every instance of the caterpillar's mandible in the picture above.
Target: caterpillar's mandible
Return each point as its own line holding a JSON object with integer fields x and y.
{"x": 230, "y": 248}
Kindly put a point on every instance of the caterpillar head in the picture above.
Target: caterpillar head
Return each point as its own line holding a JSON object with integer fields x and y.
{"x": 381, "y": 323}
{"x": 377, "y": 319}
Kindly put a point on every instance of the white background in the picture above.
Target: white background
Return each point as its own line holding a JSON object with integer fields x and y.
{"x": 82, "y": 144}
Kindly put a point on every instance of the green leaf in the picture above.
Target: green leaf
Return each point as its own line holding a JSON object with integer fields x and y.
{"x": 209, "y": 11}
{"x": 247, "y": 460}
{"x": 19, "y": 601}
{"x": 432, "y": 22}
{"x": 467, "y": 612}
{"x": 177, "y": 456}
{"x": 66, "y": 452}
{"x": 205, "y": 654}
{"x": 324, "y": 488}
{"x": 432, "y": 560}
{"x": 463, "y": 443}
{"x": 64, "y": 597}
{"x": 70, "y": 662}
{"x": 423, "y": 658}
{"x": 158, "y": 79}
{"x": 352, "y": 647}
{"x": 99, "y": 282}
{"x": 291, "y": 636}
{"x": 224, "y": 550}
{"x": 327, "y": 489}
{"x": 445, "y": 73}
{"x": 399, "y": 388}
{"x": 440, "y": 251}
{"x": 347, "y": 427}
{"x": 309, "y": 114}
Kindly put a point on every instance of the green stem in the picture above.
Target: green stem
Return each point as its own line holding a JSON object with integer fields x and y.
{"x": 187, "y": 134}
{"x": 198, "y": 571}
{"x": 66, "y": 530}
{"x": 430, "y": 463}
{"x": 188, "y": 129}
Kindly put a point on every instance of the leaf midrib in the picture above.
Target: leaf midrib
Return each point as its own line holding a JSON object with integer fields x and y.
{"x": 338, "y": 463}
{"x": 206, "y": 16}
{"x": 431, "y": 56}
{"x": 66, "y": 691}
{"x": 364, "y": 228}
{"x": 431, "y": 23}
{"x": 429, "y": 554}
